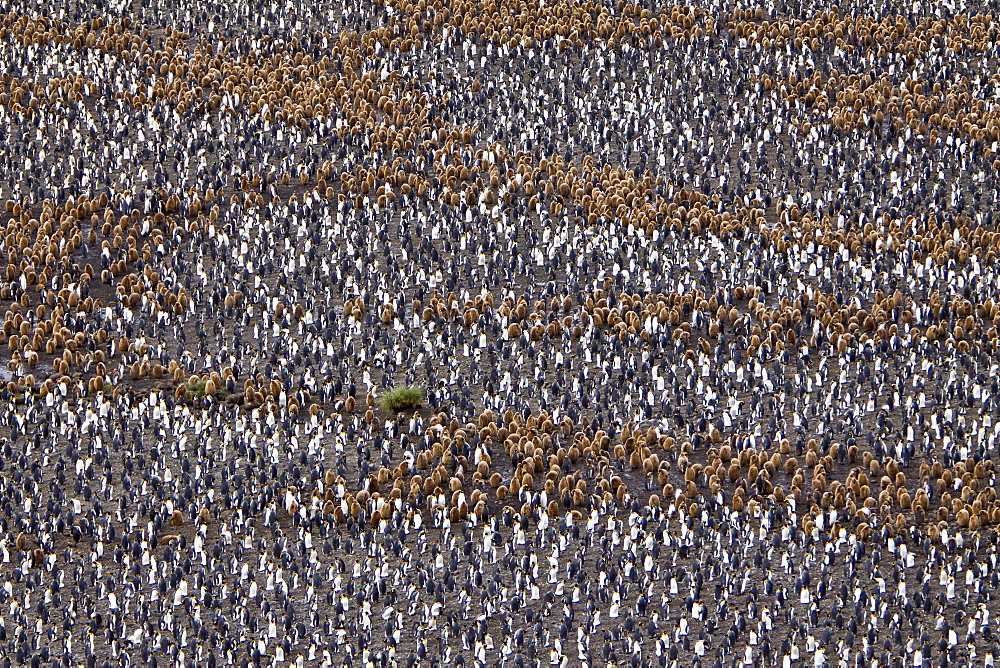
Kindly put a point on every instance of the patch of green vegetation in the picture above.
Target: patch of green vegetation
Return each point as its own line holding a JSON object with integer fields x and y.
{"x": 108, "y": 388}
{"x": 401, "y": 398}
{"x": 196, "y": 390}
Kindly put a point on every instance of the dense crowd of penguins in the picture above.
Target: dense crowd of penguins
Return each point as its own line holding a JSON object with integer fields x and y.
{"x": 704, "y": 300}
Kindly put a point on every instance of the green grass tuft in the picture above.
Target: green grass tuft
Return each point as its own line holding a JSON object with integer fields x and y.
{"x": 401, "y": 398}
{"x": 196, "y": 390}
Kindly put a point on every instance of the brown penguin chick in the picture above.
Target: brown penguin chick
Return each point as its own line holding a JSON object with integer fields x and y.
{"x": 811, "y": 459}
{"x": 176, "y": 519}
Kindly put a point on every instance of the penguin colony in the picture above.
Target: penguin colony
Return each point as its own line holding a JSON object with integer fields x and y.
{"x": 704, "y": 298}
